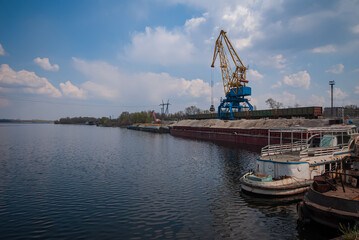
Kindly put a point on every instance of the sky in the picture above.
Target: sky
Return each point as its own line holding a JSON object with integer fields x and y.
{"x": 102, "y": 57}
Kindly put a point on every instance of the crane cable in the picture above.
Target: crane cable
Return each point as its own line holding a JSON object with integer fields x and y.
{"x": 212, "y": 69}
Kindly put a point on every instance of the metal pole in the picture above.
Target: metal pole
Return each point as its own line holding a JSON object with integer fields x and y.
{"x": 331, "y": 83}
{"x": 268, "y": 137}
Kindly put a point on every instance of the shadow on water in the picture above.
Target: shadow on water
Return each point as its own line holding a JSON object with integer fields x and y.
{"x": 243, "y": 146}
{"x": 254, "y": 200}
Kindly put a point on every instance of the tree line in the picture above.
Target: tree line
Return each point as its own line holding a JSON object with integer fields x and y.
{"x": 127, "y": 118}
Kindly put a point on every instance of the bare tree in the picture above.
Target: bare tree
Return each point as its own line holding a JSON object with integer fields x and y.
{"x": 273, "y": 103}
{"x": 192, "y": 110}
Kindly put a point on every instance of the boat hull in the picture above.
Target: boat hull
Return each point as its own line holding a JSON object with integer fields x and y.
{"x": 256, "y": 136}
{"x": 328, "y": 211}
{"x": 283, "y": 187}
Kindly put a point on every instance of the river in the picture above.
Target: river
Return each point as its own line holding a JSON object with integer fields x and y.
{"x": 74, "y": 181}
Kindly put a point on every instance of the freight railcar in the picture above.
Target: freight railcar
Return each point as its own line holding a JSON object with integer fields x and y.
{"x": 306, "y": 112}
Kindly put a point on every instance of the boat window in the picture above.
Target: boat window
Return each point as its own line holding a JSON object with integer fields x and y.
{"x": 327, "y": 167}
{"x": 327, "y": 141}
{"x": 315, "y": 142}
{"x": 351, "y": 147}
{"x": 345, "y": 139}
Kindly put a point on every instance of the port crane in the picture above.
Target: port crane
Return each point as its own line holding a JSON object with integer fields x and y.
{"x": 155, "y": 119}
{"x": 234, "y": 82}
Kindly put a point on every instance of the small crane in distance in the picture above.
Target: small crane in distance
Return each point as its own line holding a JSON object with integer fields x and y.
{"x": 234, "y": 82}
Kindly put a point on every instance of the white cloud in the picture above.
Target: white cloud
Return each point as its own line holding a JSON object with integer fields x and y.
{"x": 253, "y": 75}
{"x": 277, "y": 61}
{"x": 277, "y": 85}
{"x": 104, "y": 79}
{"x": 288, "y": 99}
{"x": 316, "y": 101}
{"x": 2, "y": 51}
{"x": 299, "y": 79}
{"x": 241, "y": 18}
{"x": 253, "y": 101}
{"x": 324, "y": 49}
{"x": 242, "y": 43}
{"x": 159, "y": 46}
{"x": 357, "y": 89}
{"x": 336, "y": 69}
{"x": 242, "y": 21}
{"x": 355, "y": 29}
{"x": 338, "y": 94}
{"x": 356, "y": 70}
{"x": 28, "y": 82}
{"x": 107, "y": 81}
{"x": 70, "y": 90}
{"x": 99, "y": 90}
{"x": 45, "y": 64}
{"x": 193, "y": 23}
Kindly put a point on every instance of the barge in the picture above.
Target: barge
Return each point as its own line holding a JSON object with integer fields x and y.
{"x": 235, "y": 136}
{"x": 155, "y": 128}
{"x": 242, "y": 132}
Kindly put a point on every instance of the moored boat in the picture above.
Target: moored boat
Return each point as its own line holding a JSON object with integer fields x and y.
{"x": 289, "y": 168}
{"x": 333, "y": 199}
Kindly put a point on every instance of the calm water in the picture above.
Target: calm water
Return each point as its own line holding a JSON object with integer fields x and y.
{"x": 59, "y": 181}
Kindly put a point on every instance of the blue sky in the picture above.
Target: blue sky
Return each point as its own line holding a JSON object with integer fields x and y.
{"x": 99, "y": 58}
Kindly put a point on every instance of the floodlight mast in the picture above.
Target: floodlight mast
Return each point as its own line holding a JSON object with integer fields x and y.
{"x": 331, "y": 83}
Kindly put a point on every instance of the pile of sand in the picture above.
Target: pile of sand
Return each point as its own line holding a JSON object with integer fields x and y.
{"x": 254, "y": 123}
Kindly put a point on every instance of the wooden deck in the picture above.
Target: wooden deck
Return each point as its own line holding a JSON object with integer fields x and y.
{"x": 351, "y": 193}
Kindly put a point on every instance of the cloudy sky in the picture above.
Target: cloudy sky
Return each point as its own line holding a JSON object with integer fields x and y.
{"x": 99, "y": 58}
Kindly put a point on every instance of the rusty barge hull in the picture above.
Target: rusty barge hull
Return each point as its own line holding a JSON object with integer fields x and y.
{"x": 256, "y": 137}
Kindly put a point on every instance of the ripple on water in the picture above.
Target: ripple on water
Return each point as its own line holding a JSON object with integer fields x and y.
{"x": 73, "y": 182}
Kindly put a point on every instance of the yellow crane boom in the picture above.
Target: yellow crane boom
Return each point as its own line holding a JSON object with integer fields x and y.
{"x": 231, "y": 79}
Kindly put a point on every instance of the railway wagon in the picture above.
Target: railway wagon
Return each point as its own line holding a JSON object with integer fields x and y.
{"x": 306, "y": 112}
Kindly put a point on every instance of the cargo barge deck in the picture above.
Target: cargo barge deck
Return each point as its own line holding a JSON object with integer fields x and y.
{"x": 237, "y": 136}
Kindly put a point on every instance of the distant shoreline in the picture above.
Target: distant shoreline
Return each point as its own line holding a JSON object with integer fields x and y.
{"x": 24, "y": 121}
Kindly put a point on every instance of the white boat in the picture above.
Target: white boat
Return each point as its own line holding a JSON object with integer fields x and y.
{"x": 289, "y": 168}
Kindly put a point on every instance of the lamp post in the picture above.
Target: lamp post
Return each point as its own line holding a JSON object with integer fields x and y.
{"x": 331, "y": 83}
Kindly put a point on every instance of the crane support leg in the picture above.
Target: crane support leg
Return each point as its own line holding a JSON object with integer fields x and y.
{"x": 227, "y": 107}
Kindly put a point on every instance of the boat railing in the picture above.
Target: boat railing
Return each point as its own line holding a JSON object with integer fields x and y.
{"x": 277, "y": 149}
{"x": 352, "y": 131}
{"x": 320, "y": 151}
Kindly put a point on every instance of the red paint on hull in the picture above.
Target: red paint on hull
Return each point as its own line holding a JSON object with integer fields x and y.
{"x": 258, "y": 137}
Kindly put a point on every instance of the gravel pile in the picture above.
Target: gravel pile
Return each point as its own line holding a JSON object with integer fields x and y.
{"x": 254, "y": 123}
